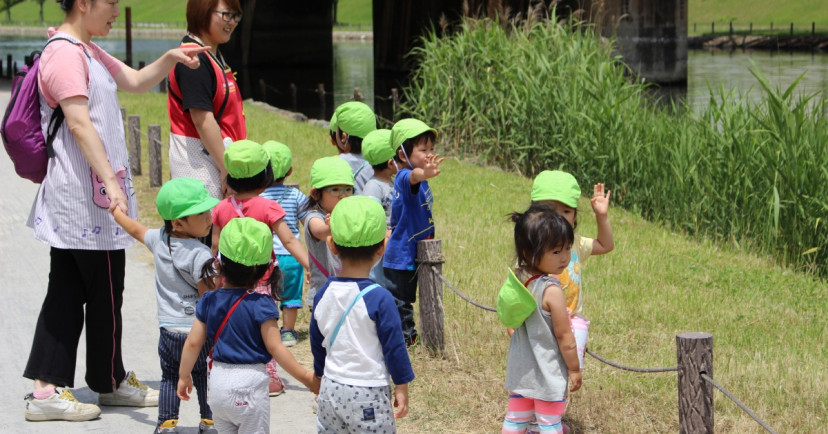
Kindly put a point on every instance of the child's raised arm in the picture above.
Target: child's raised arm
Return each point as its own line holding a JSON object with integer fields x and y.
{"x": 273, "y": 340}
{"x": 320, "y": 229}
{"x": 600, "y": 205}
{"x": 133, "y": 227}
{"x": 292, "y": 245}
{"x": 554, "y": 302}
{"x": 192, "y": 346}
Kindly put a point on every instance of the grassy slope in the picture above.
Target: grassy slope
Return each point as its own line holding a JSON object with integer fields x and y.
{"x": 145, "y": 11}
{"x": 767, "y": 322}
{"x": 760, "y": 12}
{"x": 355, "y": 12}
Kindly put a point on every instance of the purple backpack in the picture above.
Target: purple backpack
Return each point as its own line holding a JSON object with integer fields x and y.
{"x": 21, "y": 131}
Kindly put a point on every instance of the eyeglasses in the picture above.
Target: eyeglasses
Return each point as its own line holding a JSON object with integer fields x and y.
{"x": 228, "y": 16}
{"x": 340, "y": 191}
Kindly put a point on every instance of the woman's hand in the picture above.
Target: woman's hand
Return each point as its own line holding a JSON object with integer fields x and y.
{"x": 188, "y": 55}
{"x": 117, "y": 197}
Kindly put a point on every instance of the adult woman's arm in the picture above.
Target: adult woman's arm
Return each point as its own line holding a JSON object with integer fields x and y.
{"x": 76, "y": 110}
{"x": 210, "y": 134}
{"x": 142, "y": 80}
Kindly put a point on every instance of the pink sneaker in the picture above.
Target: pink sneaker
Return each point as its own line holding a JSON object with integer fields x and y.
{"x": 276, "y": 386}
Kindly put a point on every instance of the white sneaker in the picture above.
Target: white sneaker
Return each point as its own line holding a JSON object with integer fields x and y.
{"x": 130, "y": 393}
{"x": 62, "y": 405}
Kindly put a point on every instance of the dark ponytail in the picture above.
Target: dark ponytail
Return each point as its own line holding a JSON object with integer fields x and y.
{"x": 66, "y": 5}
{"x": 244, "y": 276}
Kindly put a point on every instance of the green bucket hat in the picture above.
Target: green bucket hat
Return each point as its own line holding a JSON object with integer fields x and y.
{"x": 331, "y": 171}
{"x": 280, "y": 157}
{"x": 334, "y": 123}
{"x": 514, "y": 302}
{"x": 355, "y": 119}
{"x": 358, "y": 221}
{"x": 407, "y": 129}
{"x": 556, "y": 185}
{"x": 376, "y": 147}
{"x": 245, "y": 159}
{"x": 247, "y": 241}
{"x": 182, "y": 197}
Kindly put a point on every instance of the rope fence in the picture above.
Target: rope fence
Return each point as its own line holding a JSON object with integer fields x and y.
{"x": 694, "y": 351}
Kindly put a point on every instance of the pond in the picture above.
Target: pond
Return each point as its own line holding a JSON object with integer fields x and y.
{"x": 353, "y": 67}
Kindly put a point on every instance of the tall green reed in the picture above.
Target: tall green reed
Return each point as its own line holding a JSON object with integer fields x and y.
{"x": 535, "y": 95}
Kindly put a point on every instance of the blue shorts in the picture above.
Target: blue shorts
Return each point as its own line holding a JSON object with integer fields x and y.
{"x": 293, "y": 279}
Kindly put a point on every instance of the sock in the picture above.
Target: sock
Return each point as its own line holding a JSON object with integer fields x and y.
{"x": 44, "y": 393}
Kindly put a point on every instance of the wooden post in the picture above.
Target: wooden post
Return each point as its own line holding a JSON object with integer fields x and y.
{"x": 9, "y": 64}
{"x": 695, "y": 356}
{"x": 395, "y": 103}
{"x": 750, "y": 32}
{"x": 128, "y": 36}
{"x": 357, "y": 94}
{"x": 731, "y": 27}
{"x": 694, "y": 27}
{"x": 813, "y": 28}
{"x": 154, "y": 139}
{"x": 791, "y": 29}
{"x": 293, "y": 96}
{"x": 429, "y": 253}
{"x": 134, "y": 134}
{"x": 141, "y": 64}
{"x": 771, "y": 27}
{"x": 713, "y": 27}
{"x": 320, "y": 91}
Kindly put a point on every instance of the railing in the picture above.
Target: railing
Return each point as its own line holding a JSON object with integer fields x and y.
{"x": 694, "y": 350}
{"x": 766, "y": 29}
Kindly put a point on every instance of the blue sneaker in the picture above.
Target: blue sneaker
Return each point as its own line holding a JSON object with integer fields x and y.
{"x": 289, "y": 337}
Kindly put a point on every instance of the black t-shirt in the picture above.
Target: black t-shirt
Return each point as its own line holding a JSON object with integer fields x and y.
{"x": 198, "y": 86}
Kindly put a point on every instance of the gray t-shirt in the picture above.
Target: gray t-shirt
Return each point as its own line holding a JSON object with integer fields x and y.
{"x": 535, "y": 367}
{"x": 176, "y": 276}
{"x": 361, "y": 169}
{"x": 383, "y": 192}
{"x": 319, "y": 256}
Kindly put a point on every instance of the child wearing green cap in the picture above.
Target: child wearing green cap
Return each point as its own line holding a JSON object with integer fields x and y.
{"x": 331, "y": 180}
{"x": 560, "y": 190}
{"x": 244, "y": 329}
{"x": 378, "y": 152}
{"x": 249, "y": 173}
{"x": 540, "y": 364}
{"x": 354, "y": 120}
{"x": 292, "y": 201}
{"x": 411, "y": 216}
{"x": 179, "y": 257}
{"x": 355, "y": 333}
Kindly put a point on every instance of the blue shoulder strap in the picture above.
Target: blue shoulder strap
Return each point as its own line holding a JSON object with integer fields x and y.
{"x": 347, "y": 310}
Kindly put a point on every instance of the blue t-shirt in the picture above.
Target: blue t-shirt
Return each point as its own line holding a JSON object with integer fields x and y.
{"x": 292, "y": 200}
{"x": 240, "y": 342}
{"x": 411, "y": 219}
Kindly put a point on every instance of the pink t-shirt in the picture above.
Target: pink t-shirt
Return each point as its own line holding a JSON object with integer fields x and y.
{"x": 63, "y": 71}
{"x": 264, "y": 210}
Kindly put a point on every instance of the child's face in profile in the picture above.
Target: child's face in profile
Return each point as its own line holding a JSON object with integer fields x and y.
{"x": 196, "y": 225}
{"x": 555, "y": 261}
{"x": 566, "y": 211}
{"x": 422, "y": 149}
{"x": 332, "y": 194}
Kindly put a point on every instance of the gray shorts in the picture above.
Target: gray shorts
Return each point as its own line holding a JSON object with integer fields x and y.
{"x": 354, "y": 409}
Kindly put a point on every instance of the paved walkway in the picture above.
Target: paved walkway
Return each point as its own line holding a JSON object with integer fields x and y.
{"x": 24, "y": 263}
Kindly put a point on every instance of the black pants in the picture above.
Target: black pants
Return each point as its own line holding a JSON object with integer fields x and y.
{"x": 403, "y": 286}
{"x": 170, "y": 347}
{"x": 94, "y": 278}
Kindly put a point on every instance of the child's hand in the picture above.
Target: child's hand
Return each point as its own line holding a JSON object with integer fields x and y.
{"x": 401, "y": 401}
{"x": 510, "y": 331}
{"x": 600, "y": 200}
{"x": 328, "y": 219}
{"x": 576, "y": 380}
{"x": 431, "y": 166}
{"x": 316, "y": 383}
{"x": 185, "y": 386}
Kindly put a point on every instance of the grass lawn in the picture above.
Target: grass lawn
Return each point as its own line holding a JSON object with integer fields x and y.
{"x": 768, "y": 323}
{"x": 759, "y": 12}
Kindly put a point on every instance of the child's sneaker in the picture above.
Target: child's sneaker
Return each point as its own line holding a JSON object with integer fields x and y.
{"x": 289, "y": 337}
{"x": 276, "y": 386}
{"x": 61, "y": 405}
{"x": 130, "y": 393}
{"x": 207, "y": 426}
{"x": 169, "y": 425}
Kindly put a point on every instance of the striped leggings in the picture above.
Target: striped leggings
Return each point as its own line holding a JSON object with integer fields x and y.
{"x": 170, "y": 346}
{"x": 547, "y": 413}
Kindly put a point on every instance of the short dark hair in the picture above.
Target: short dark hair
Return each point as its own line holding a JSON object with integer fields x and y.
{"x": 262, "y": 179}
{"x": 362, "y": 253}
{"x": 200, "y": 12}
{"x": 537, "y": 230}
{"x": 354, "y": 142}
{"x": 380, "y": 167}
{"x": 66, "y": 5}
{"x": 408, "y": 144}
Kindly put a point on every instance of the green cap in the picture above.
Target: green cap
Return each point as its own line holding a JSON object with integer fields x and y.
{"x": 376, "y": 147}
{"x": 331, "y": 171}
{"x": 181, "y": 197}
{"x": 247, "y": 241}
{"x": 514, "y": 302}
{"x": 334, "y": 124}
{"x": 355, "y": 119}
{"x": 245, "y": 159}
{"x": 408, "y": 128}
{"x": 280, "y": 157}
{"x": 358, "y": 221}
{"x": 556, "y": 185}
